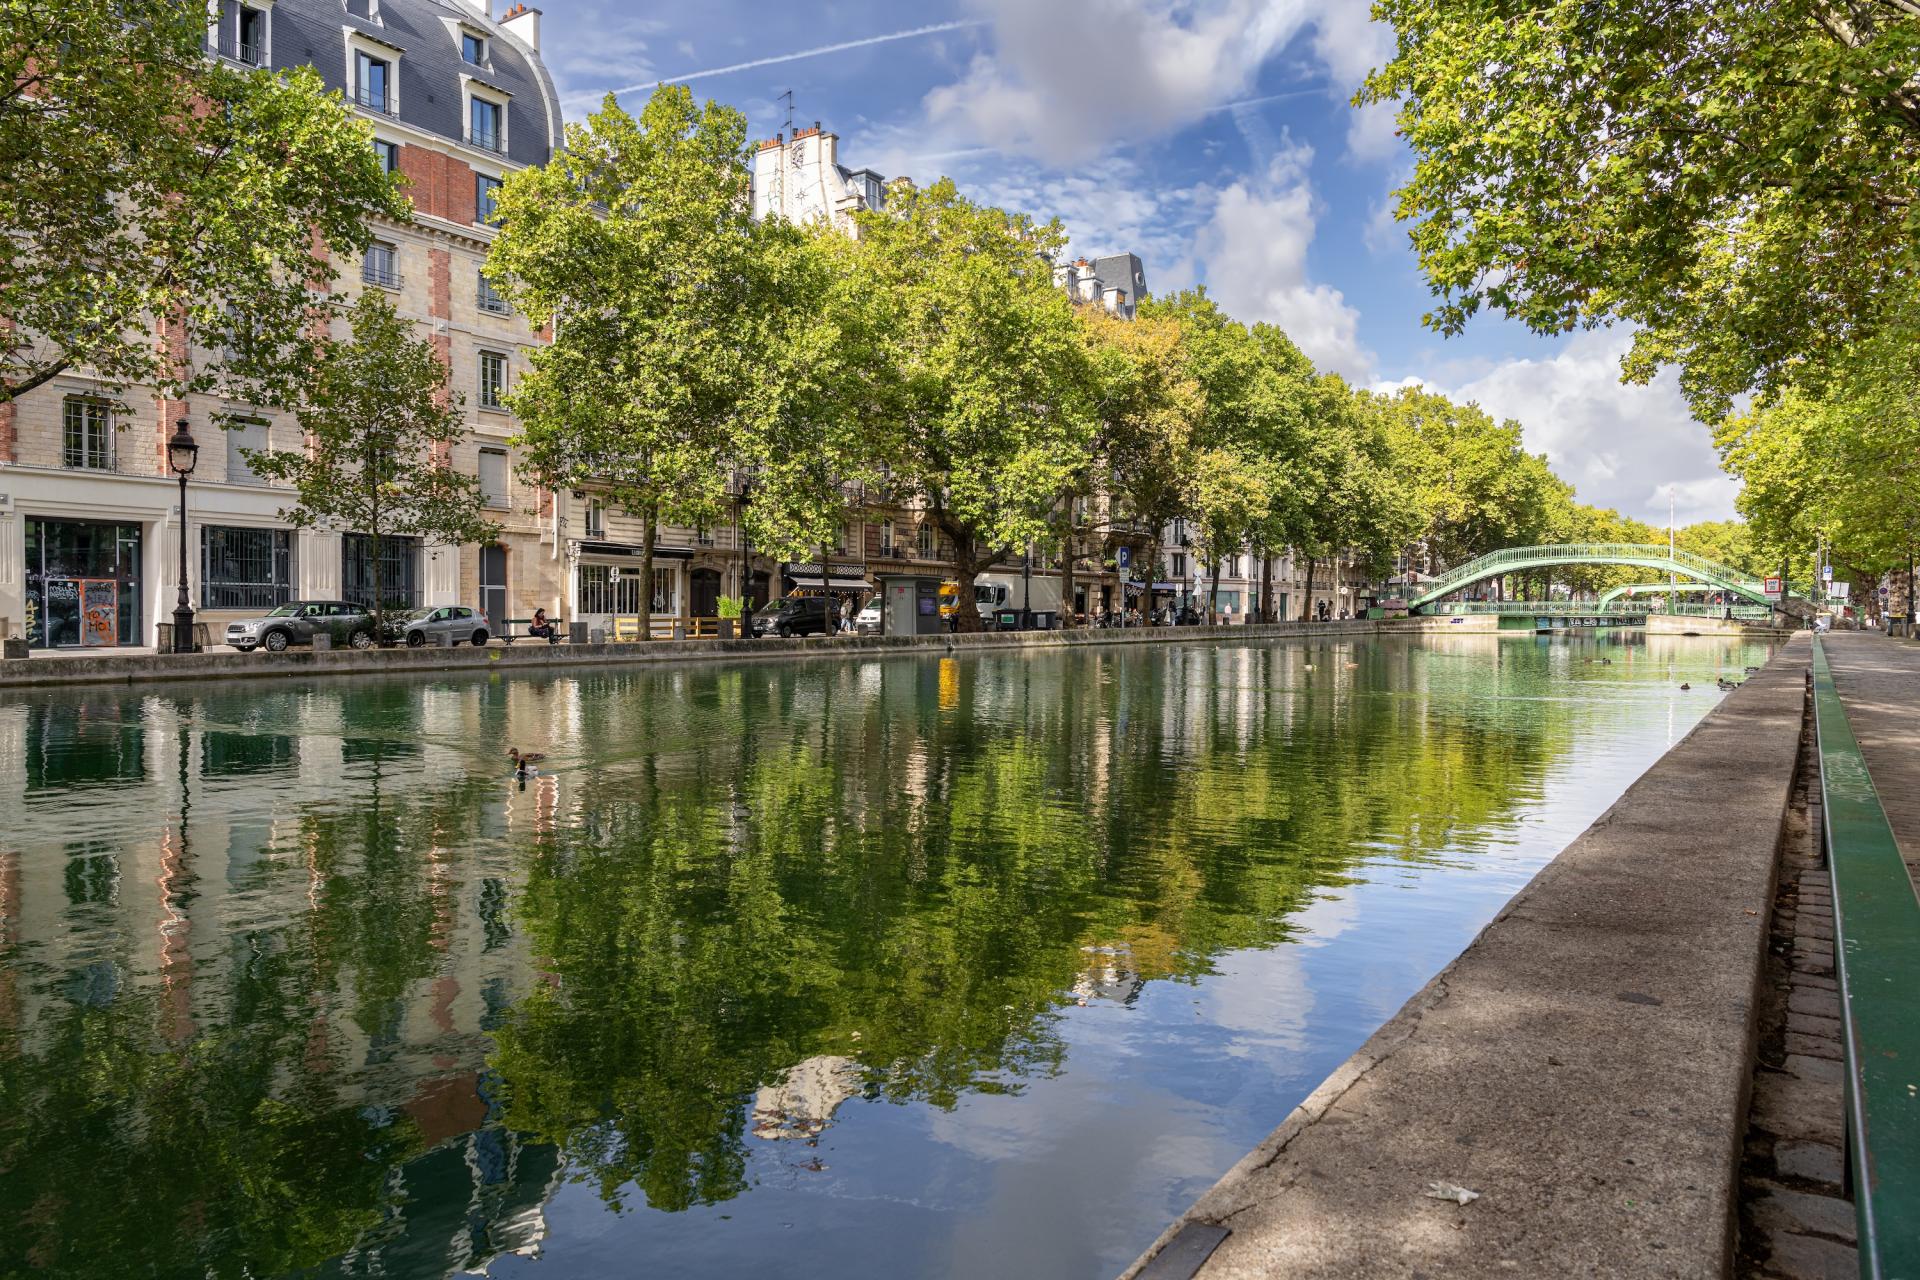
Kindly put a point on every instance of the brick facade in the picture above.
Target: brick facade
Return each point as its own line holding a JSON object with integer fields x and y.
{"x": 443, "y": 185}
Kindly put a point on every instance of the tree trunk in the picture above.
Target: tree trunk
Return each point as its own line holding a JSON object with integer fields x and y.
{"x": 1266, "y": 584}
{"x": 1066, "y": 570}
{"x": 651, "y": 514}
{"x": 966, "y": 567}
{"x": 1213, "y": 593}
{"x": 1307, "y": 609}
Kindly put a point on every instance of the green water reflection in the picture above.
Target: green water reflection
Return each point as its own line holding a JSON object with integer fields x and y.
{"x": 299, "y": 979}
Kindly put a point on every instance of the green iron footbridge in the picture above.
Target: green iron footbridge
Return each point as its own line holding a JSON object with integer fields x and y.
{"x": 1709, "y": 574}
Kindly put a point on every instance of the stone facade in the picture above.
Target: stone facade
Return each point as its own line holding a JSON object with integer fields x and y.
{"x": 117, "y": 483}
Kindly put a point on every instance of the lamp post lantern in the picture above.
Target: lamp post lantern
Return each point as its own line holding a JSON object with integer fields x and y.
{"x": 182, "y": 454}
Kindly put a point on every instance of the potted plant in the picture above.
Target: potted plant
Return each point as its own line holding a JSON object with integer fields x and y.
{"x": 730, "y": 609}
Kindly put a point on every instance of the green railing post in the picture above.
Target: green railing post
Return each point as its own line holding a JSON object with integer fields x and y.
{"x": 1876, "y": 951}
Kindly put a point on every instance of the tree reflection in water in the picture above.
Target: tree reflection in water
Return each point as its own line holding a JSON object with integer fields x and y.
{"x": 410, "y": 995}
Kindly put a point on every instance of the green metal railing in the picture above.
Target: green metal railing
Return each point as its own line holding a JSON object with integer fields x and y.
{"x": 1545, "y": 608}
{"x": 1876, "y": 950}
{"x": 1518, "y": 559}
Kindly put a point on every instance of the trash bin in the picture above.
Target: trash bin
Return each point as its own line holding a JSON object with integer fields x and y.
{"x": 322, "y": 642}
{"x": 597, "y": 635}
{"x": 1007, "y": 620}
{"x": 577, "y": 633}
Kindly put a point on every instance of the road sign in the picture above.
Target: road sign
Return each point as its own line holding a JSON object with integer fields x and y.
{"x": 613, "y": 573}
{"x": 1826, "y": 573}
{"x": 1883, "y": 593}
{"x": 1839, "y": 590}
{"x": 1773, "y": 588}
{"x": 1125, "y": 556}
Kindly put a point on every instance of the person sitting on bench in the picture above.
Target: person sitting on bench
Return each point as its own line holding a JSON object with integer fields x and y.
{"x": 542, "y": 628}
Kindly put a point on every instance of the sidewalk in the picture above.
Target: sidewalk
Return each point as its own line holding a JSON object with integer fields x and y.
{"x": 1878, "y": 679}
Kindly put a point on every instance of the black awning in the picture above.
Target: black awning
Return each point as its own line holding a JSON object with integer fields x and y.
{"x": 630, "y": 549}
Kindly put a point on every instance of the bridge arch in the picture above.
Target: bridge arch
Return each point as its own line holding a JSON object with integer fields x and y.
{"x": 1710, "y": 573}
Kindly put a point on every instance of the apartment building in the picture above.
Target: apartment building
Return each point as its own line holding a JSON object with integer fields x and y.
{"x": 90, "y": 524}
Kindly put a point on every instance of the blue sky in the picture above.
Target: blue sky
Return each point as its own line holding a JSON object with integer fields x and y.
{"x": 1212, "y": 137}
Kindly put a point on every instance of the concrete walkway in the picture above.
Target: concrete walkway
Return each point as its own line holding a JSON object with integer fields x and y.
{"x": 1583, "y": 1067}
{"x": 1878, "y": 679}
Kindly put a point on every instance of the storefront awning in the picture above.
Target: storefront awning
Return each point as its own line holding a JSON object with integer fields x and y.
{"x": 632, "y": 551}
{"x": 805, "y": 581}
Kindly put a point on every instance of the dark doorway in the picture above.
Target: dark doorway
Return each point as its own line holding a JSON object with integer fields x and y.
{"x": 705, "y": 593}
{"x": 493, "y": 587}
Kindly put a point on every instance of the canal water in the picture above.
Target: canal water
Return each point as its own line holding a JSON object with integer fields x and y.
{"x": 917, "y": 967}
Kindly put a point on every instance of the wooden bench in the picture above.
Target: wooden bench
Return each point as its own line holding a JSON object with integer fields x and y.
{"x": 510, "y": 635}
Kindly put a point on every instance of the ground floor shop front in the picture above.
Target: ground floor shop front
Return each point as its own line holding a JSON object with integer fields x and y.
{"x": 93, "y": 561}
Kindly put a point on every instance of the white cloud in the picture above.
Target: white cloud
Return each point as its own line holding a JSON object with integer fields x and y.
{"x": 1621, "y": 446}
{"x": 1067, "y": 79}
{"x": 1254, "y": 254}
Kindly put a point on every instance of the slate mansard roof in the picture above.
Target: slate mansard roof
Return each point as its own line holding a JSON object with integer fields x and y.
{"x": 429, "y": 63}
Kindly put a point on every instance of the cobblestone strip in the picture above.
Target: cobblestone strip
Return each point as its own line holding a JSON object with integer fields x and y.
{"x": 1795, "y": 1222}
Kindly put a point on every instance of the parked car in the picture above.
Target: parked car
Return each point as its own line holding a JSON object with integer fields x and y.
{"x": 798, "y": 616}
{"x": 867, "y": 621}
{"x": 418, "y": 627}
{"x": 299, "y": 622}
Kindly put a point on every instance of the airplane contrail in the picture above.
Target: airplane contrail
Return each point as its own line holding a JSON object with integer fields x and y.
{"x": 844, "y": 45}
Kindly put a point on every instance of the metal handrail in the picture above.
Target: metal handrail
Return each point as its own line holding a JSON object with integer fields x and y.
{"x": 1636, "y": 553}
{"x": 1876, "y": 952}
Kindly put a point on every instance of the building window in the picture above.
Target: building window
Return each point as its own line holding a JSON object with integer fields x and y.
{"x": 388, "y": 153}
{"x": 245, "y": 434}
{"x": 247, "y": 44}
{"x": 490, "y": 299}
{"x": 493, "y": 477}
{"x": 473, "y": 48}
{"x": 612, "y": 589}
{"x": 486, "y": 197}
{"x": 381, "y": 266}
{"x": 886, "y": 537}
{"x": 596, "y": 518}
{"x": 1179, "y": 564}
{"x": 485, "y": 124}
{"x": 245, "y": 568}
{"x": 399, "y": 570}
{"x": 923, "y": 540}
{"x": 373, "y": 82}
{"x": 493, "y": 380}
{"x": 87, "y": 434}
{"x": 83, "y": 583}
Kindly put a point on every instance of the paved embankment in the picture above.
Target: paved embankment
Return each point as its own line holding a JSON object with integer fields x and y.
{"x": 1878, "y": 680}
{"x": 1583, "y": 1066}
{"x": 1663, "y": 624}
{"x": 135, "y": 668}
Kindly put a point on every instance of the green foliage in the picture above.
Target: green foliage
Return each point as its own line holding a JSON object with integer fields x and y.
{"x": 379, "y": 424}
{"x": 146, "y": 180}
{"x": 637, "y": 242}
{"x": 1736, "y": 178}
{"x": 973, "y": 373}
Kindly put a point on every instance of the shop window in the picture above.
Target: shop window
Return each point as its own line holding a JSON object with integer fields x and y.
{"x": 83, "y": 583}
{"x": 399, "y": 570}
{"x": 244, "y": 568}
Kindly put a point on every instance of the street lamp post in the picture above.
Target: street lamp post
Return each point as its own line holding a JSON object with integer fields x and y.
{"x": 182, "y": 454}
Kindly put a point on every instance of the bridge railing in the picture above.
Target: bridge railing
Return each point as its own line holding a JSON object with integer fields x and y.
{"x": 1876, "y": 951}
{"x": 1510, "y": 559}
{"x": 1543, "y": 607}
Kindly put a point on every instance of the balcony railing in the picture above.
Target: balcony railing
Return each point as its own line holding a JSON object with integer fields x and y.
{"x": 373, "y": 101}
{"x": 486, "y": 140}
{"x": 247, "y": 54}
{"x": 386, "y": 275}
{"x": 493, "y": 303}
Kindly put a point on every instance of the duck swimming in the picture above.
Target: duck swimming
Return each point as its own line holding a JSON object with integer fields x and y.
{"x": 521, "y": 761}
{"x": 1684, "y": 687}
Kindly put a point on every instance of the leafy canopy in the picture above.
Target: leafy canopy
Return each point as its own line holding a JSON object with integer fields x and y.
{"x": 146, "y": 182}
{"x": 1736, "y": 178}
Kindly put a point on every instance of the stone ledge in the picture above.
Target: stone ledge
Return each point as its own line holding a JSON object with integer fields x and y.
{"x": 1583, "y": 1065}
{"x": 140, "y": 668}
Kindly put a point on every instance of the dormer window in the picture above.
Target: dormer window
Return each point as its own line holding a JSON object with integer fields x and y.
{"x": 486, "y": 124}
{"x": 373, "y": 82}
{"x": 473, "y": 48}
{"x": 250, "y": 28}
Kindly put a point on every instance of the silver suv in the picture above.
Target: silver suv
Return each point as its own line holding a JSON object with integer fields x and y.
{"x": 299, "y": 622}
